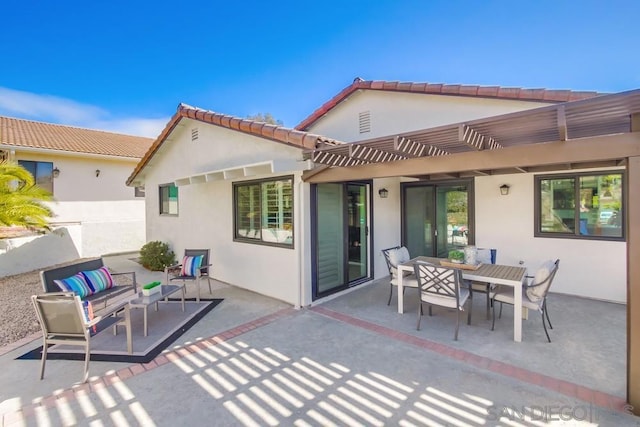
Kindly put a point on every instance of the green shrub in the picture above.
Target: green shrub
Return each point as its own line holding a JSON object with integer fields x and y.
{"x": 156, "y": 255}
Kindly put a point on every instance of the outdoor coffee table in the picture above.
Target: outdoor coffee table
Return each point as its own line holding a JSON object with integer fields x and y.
{"x": 143, "y": 302}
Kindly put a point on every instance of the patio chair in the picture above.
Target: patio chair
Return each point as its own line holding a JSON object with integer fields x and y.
{"x": 63, "y": 321}
{"x": 485, "y": 256}
{"x": 534, "y": 293}
{"x": 442, "y": 286}
{"x": 194, "y": 266}
{"x": 393, "y": 257}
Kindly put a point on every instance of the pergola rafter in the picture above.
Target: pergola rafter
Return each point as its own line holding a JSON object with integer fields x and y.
{"x": 416, "y": 149}
{"x": 475, "y": 139}
{"x": 335, "y": 159}
{"x": 374, "y": 155}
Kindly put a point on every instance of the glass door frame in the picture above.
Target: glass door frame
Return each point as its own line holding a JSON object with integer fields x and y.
{"x": 314, "y": 239}
{"x": 468, "y": 182}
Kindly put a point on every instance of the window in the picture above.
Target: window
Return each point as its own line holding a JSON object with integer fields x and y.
{"x": 263, "y": 211}
{"x": 168, "y": 199}
{"x": 588, "y": 206}
{"x": 42, "y": 172}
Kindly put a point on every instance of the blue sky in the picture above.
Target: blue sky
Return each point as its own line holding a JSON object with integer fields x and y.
{"x": 125, "y": 65}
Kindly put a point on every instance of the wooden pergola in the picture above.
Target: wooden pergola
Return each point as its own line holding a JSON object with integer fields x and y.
{"x": 598, "y": 132}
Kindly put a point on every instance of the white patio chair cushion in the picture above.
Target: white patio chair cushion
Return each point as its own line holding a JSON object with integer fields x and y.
{"x": 480, "y": 286}
{"x": 505, "y": 294}
{"x": 408, "y": 281}
{"x": 398, "y": 256}
{"x": 537, "y": 293}
{"x": 446, "y": 301}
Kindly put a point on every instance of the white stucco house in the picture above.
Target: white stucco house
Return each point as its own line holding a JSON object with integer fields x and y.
{"x": 298, "y": 216}
{"x": 85, "y": 170}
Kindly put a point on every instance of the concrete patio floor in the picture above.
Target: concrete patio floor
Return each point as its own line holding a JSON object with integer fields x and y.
{"x": 351, "y": 360}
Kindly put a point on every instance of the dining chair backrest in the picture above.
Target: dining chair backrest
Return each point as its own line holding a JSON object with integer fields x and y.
{"x": 438, "y": 285}
{"x": 486, "y": 256}
{"x": 538, "y": 288}
{"x": 394, "y": 256}
{"x": 387, "y": 258}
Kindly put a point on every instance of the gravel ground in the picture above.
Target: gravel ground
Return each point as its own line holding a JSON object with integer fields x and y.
{"x": 18, "y": 317}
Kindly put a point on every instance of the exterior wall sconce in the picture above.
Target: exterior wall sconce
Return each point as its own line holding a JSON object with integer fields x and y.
{"x": 384, "y": 193}
{"x": 504, "y": 189}
{"x": 56, "y": 172}
{"x": 97, "y": 173}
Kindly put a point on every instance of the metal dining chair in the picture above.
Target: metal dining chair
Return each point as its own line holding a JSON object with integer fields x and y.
{"x": 442, "y": 286}
{"x": 394, "y": 256}
{"x": 485, "y": 256}
{"x": 534, "y": 293}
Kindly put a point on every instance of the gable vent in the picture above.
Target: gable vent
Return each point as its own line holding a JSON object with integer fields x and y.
{"x": 194, "y": 134}
{"x": 364, "y": 121}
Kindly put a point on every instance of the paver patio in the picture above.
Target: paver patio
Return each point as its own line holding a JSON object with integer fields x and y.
{"x": 352, "y": 360}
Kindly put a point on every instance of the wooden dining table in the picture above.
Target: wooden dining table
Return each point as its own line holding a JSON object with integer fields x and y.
{"x": 507, "y": 275}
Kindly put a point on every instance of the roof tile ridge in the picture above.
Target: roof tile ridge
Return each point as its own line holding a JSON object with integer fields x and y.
{"x": 255, "y": 127}
{"x": 72, "y": 127}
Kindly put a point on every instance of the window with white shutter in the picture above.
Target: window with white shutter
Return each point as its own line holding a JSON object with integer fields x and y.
{"x": 264, "y": 211}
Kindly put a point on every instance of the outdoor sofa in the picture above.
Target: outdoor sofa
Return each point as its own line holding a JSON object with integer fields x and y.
{"x": 92, "y": 281}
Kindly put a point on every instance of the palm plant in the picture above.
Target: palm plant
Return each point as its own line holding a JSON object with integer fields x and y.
{"x": 21, "y": 199}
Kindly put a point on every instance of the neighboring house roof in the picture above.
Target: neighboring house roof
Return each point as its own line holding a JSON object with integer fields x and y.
{"x": 275, "y": 133}
{"x": 48, "y": 136}
{"x": 497, "y": 92}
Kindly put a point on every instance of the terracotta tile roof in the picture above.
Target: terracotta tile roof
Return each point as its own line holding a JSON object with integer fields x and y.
{"x": 539, "y": 95}
{"x": 26, "y": 133}
{"x": 292, "y": 137}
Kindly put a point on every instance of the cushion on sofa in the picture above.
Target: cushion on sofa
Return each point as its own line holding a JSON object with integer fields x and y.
{"x": 100, "y": 279}
{"x": 77, "y": 284}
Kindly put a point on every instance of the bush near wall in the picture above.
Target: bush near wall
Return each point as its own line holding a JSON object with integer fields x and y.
{"x": 156, "y": 255}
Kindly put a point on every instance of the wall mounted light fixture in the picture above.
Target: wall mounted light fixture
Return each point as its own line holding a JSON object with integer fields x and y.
{"x": 56, "y": 172}
{"x": 504, "y": 189}
{"x": 383, "y": 193}
{"x": 97, "y": 173}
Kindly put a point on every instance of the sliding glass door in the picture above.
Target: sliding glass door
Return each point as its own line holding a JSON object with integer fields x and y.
{"x": 341, "y": 236}
{"x": 436, "y": 218}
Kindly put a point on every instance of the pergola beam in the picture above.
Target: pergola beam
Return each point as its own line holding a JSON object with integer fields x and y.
{"x": 582, "y": 150}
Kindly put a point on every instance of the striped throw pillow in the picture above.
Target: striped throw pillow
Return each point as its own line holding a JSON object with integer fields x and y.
{"x": 190, "y": 265}
{"x": 99, "y": 280}
{"x": 76, "y": 284}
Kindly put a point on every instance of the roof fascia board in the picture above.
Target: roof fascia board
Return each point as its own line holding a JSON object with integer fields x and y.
{"x": 20, "y": 148}
{"x": 244, "y": 171}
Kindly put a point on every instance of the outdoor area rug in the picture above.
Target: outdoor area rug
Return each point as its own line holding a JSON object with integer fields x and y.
{"x": 165, "y": 326}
